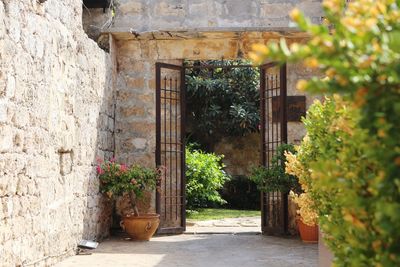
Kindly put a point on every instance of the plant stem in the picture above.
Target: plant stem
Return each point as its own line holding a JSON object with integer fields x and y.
{"x": 132, "y": 198}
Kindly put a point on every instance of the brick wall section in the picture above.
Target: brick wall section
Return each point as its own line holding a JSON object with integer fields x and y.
{"x": 56, "y": 117}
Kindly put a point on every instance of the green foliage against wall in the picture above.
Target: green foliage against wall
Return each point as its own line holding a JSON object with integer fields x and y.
{"x": 358, "y": 177}
{"x": 334, "y": 166}
{"x": 204, "y": 177}
{"x": 275, "y": 178}
{"x": 222, "y": 102}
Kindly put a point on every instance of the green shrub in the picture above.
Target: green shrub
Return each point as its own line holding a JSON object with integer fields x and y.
{"x": 356, "y": 175}
{"x": 275, "y": 178}
{"x": 334, "y": 165}
{"x": 204, "y": 177}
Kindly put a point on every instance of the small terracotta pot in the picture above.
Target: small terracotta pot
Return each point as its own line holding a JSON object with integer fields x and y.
{"x": 140, "y": 227}
{"x": 309, "y": 234}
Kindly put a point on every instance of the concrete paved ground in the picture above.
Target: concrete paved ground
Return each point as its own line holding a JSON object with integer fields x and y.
{"x": 226, "y": 225}
{"x": 200, "y": 250}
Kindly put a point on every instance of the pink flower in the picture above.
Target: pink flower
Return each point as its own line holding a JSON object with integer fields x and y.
{"x": 99, "y": 170}
{"x": 123, "y": 168}
{"x": 112, "y": 159}
{"x": 99, "y": 160}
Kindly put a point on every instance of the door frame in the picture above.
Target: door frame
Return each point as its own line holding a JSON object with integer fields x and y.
{"x": 263, "y": 160}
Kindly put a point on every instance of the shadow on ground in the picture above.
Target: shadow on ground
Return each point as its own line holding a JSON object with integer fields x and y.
{"x": 200, "y": 250}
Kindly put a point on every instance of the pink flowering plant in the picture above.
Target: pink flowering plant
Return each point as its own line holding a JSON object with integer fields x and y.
{"x": 119, "y": 180}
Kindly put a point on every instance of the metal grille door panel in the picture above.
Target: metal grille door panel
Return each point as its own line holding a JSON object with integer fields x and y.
{"x": 274, "y": 205}
{"x": 170, "y": 147}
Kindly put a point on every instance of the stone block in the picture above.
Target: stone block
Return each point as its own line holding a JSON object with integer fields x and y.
{"x": 135, "y": 83}
{"x": 131, "y": 8}
{"x": 10, "y": 86}
{"x": 21, "y": 118}
{"x": 6, "y": 138}
{"x": 139, "y": 143}
{"x": 134, "y": 111}
{"x": 166, "y": 9}
{"x": 66, "y": 162}
{"x": 3, "y": 111}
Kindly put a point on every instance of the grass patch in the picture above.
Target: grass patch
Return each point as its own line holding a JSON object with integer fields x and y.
{"x": 216, "y": 214}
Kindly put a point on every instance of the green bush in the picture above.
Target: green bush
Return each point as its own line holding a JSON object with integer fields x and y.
{"x": 356, "y": 177}
{"x": 275, "y": 178}
{"x": 204, "y": 177}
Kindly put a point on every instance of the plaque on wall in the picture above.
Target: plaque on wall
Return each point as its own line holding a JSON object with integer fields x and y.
{"x": 296, "y": 108}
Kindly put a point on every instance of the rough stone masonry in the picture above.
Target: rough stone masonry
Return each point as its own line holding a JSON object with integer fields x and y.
{"x": 60, "y": 96}
{"x": 56, "y": 117}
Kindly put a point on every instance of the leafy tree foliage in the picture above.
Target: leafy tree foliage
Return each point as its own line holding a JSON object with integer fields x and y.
{"x": 222, "y": 101}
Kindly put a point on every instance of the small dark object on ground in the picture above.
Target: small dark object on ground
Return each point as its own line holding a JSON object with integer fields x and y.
{"x": 88, "y": 244}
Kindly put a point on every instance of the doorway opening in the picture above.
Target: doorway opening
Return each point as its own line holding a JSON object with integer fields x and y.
{"x": 208, "y": 108}
{"x": 222, "y": 138}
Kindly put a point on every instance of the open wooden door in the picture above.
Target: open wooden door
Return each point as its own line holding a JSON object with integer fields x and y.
{"x": 170, "y": 147}
{"x": 273, "y": 110}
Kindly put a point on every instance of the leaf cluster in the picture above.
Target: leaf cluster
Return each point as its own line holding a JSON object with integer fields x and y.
{"x": 117, "y": 179}
{"x": 274, "y": 178}
{"x": 223, "y": 101}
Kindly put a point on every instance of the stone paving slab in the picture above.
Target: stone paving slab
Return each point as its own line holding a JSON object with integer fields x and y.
{"x": 227, "y": 225}
{"x": 199, "y": 251}
{"x": 222, "y": 230}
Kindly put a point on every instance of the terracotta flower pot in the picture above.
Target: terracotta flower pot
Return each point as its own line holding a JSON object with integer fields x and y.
{"x": 309, "y": 234}
{"x": 140, "y": 227}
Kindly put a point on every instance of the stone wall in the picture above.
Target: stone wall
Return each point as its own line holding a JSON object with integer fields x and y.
{"x": 206, "y": 14}
{"x": 241, "y": 153}
{"x": 56, "y": 117}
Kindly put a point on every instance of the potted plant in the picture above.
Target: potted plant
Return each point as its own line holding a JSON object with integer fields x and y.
{"x": 307, "y": 221}
{"x": 119, "y": 180}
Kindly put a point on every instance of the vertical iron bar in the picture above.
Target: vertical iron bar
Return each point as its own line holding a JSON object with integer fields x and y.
{"x": 165, "y": 146}
{"x": 176, "y": 148}
{"x": 158, "y": 134}
{"x": 277, "y": 140}
{"x": 284, "y": 138}
{"x": 170, "y": 147}
{"x": 183, "y": 154}
{"x": 262, "y": 126}
{"x": 267, "y": 122}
